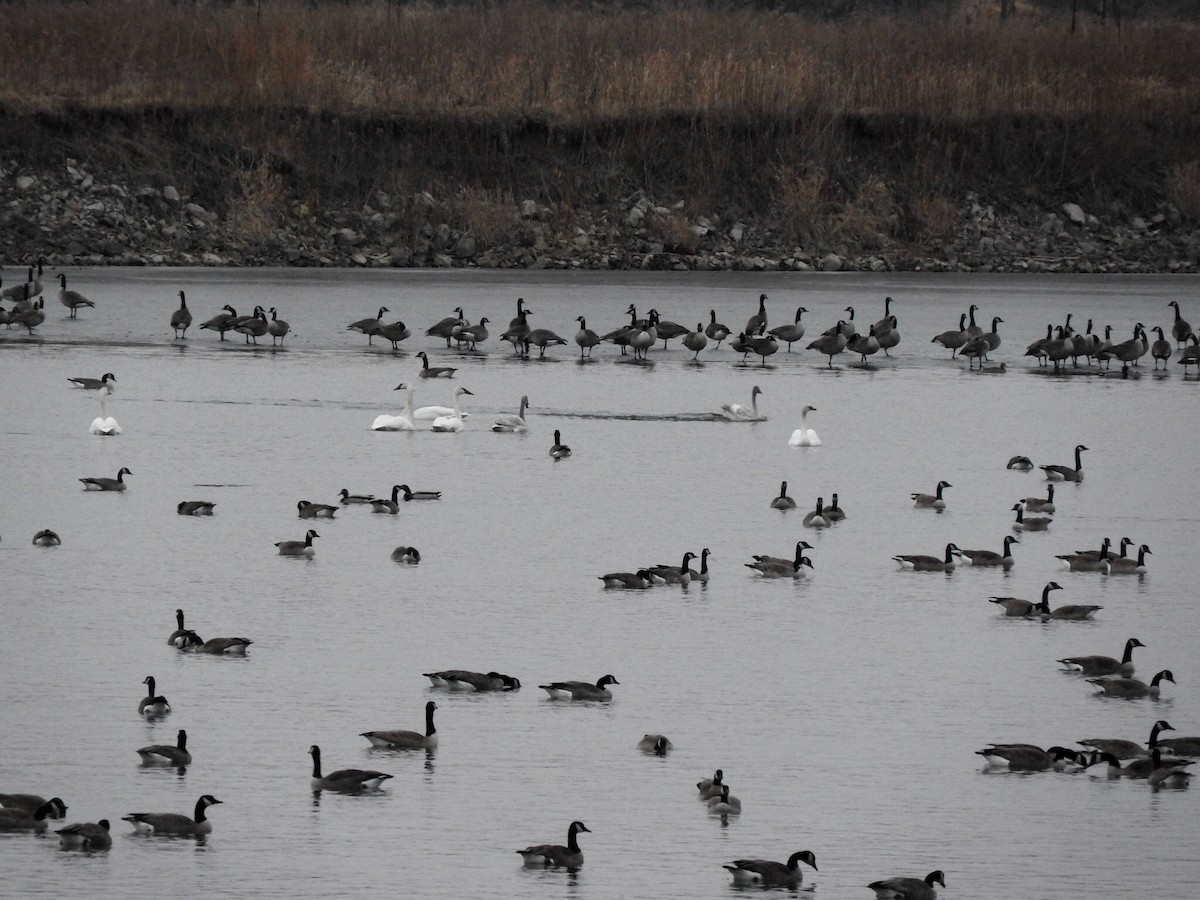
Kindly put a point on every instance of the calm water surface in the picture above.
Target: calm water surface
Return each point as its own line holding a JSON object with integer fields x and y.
{"x": 845, "y": 708}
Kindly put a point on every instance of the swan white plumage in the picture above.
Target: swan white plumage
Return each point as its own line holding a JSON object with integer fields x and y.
{"x": 429, "y": 413}
{"x": 511, "y": 423}
{"x": 453, "y": 422}
{"x": 402, "y": 422}
{"x": 737, "y": 412}
{"x": 104, "y": 423}
{"x": 804, "y": 436}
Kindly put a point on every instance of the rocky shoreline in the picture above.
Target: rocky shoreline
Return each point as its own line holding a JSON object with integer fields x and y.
{"x": 71, "y": 215}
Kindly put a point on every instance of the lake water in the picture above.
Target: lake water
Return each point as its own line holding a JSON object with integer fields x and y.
{"x": 845, "y": 708}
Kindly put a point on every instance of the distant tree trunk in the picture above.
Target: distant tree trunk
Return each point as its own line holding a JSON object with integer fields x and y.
{"x": 1007, "y": 8}
{"x": 1074, "y": 14}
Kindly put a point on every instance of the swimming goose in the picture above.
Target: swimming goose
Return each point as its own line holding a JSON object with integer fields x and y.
{"x": 714, "y": 330}
{"x": 391, "y": 506}
{"x": 222, "y": 646}
{"x": 1182, "y": 746}
{"x": 1123, "y": 565}
{"x": 725, "y": 805}
{"x": 658, "y": 744}
{"x": 1034, "y": 523}
{"x": 932, "y": 501}
{"x": 773, "y": 567}
{"x": 680, "y": 574}
{"x": 1139, "y": 767}
{"x": 1020, "y": 463}
{"x": 779, "y": 560}
{"x": 908, "y": 888}
{"x": 1104, "y": 665}
{"x": 1072, "y": 612}
{"x": 46, "y": 538}
{"x": 474, "y": 335}
{"x": 703, "y": 575}
{"x": 834, "y": 512}
{"x": 195, "y": 507}
{"x": 585, "y": 337}
{"x": 370, "y": 327}
{"x": 1167, "y": 774}
{"x": 757, "y": 323}
{"x": 804, "y": 436}
{"x": 85, "y": 836}
{"x": 310, "y": 510}
{"x": 1085, "y": 561}
{"x": 830, "y": 344}
{"x": 165, "y": 754}
{"x": 222, "y": 321}
{"x": 394, "y": 333}
{"x": 480, "y": 682}
{"x": 403, "y": 422}
{"x": 107, "y": 484}
{"x": 94, "y": 384}
{"x": 736, "y": 412}
{"x": 953, "y": 339}
{"x": 277, "y": 327}
{"x": 298, "y": 548}
{"x": 783, "y": 501}
{"x": 792, "y": 333}
{"x": 72, "y": 300}
{"x": 104, "y": 424}
{"x": 408, "y": 555}
{"x": 1180, "y": 329}
{"x": 864, "y": 346}
{"x": 407, "y": 740}
{"x": 816, "y": 518}
{"x": 580, "y": 690}
{"x": 991, "y": 557}
{"x": 1131, "y": 688}
{"x": 1038, "y": 505}
{"x": 1015, "y": 607}
{"x": 1023, "y": 757}
{"x": 348, "y": 498}
{"x": 181, "y": 318}
{"x": 428, "y": 371}
{"x": 180, "y": 633}
{"x": 175, "y": 823}
{"x": 253, "y": 327}
{"x": 559, "y": 450}
{"x": 570, "y": 856}
{"x": 18, "y": 819}
{"x": 31, "y": 803}
{"x": 638, "y": 580}
{"x": 695, "y": 341}
{"x": 346, "y": 781}
{"x": 410, "y": 494}
{"x": 508, "y": 424}
{"x": 711, "y": 787}
{"x": 769, "y": 873}
{"x": 152, "y": 704}
{"x": 919, "y": 563}
{"x": 454, "y": 421}
{"x": 1122, "y": 749}
{"x": 445, "y": 327}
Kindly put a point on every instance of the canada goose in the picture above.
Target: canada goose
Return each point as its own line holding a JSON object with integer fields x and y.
{"x": 1022, "y": 757}
{"x": 769, "y": 873}
{"x": 394, "y": 333}
{"x": 846, "y": 327}
{"x": 25, "y": 290}
{"x": 1104, "y": 665}
{"x": 763, "y": 347}
{"x": 346, "y": 781}
{"x": 1015, "y": 607}
{"x": 711, "y": 787}
{"x": 181, "y": 318}
{"x": 695, "y": 341}
{"x": 667, "y": 330}
{"x": 1131, "y": 687}
{"x": 152, "y": 704}
{"x": 816, "y": 518}
{"x": 1132, "y": 350}
{"x": 644, "y": 335}
{"x": 428, "y": 371}
{"x": 107, "y": 484}
{"x": 725, "y": 805}
{"x": 1160, "y": 349}
{"x": 1167, "y": 775}
{"x": 410, "y": 494}
{"x": 348, "y": 498}
{"x": 991, "y": 557}
{"x": 771, "y": 567}
{"x": 1038, "y": 505}
{"x": 480, "y": 682}
{"x": 658, "y": 744}
{"x": 454, "y": 421}
{"x": 222, "y": 646}
{"x": 175, "y": 823}
{"x": 570, "y": 856}
{"x": 298, "y": 548}
{"x": 888, "y": 337}
{"x": 391, "y": 506}
{"x": 919, "y": 563}
{"x": 1106, "y": 549}
{"x": 1020, "y": 463}
{"x": 407, "y": 740}
{"x": 195, "y": 507}
{"x": 165, "y": 754}
{"x": 1183, "y": 746}
{"x": 992, "y": 338}
{"x": 222, "y": 321}
{"x": 94, "y": 384}
{"x": 783, "y": 501}
{"x": 253, "y": 327}
{"x": 1034, "y": 523}
{"x": 518, "y": 329}
{"x": 1122, "y": 749}
{"x": 580, "y": 690}
{"x": 1180, "y": 329}
{"x": 72, "y": 300}
{"x": 522, "y": 313}
{"x": 703, "y": 575}
{"x": 805, "y": 436}
{"x": 1059, "y": 349}
{"x": 736, "y": 412}
{"x": 473, "y": 335}
{"x": 31, "y": 803}
{"x": 46, "y": 538}
{"x": 1088, "y": 560}
{"x": 370, "y": 327}
{"x": 757, "y": 323}
{"x": 1072, "y": 612}
{"x": 19, "y": 819}
{"x": 1139, "y": 767}
{"x": 932, "y": 501}
{"x": 680, "y": 574}
{"x": 29, "y": 318}
{"x": 973, "y": 330}
{"x": 559, "y": 450}
{"x": 975, "y": 349}
{"x": 908, "y": 888}
{"x": 408, "y": 555}
{"x": 638, "y": 580}
{"x": 85, "y": 836}
{"x": 767, "y": 559}
{"x": 585, "y": 337}
{"x": 1190, "y": 355}
{"x": 953, "y": 339}
{"x": 792, "y": 333}
{"x": 180, "y": 633}
{"x": 277, "y": 327}
{"x": 714, "y": 330}
{"x": 864, "y": 346}
{"x": 513, "y": 423}
{"x": 829, "y": 345}
{"x": 445, "y": 327}
{"x": 620, "y": 336}
{"x": 1123, "y": 565}
{"x": 308, "y": 510}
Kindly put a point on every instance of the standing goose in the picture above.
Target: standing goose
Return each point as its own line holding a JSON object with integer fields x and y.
{"x": 1034, "y": 523}
{"x": 763, "y": 346}
{"x": 1160, "y": 349}
{"x": 518, "y": 329}
{"x": 919, "y": 563}
{"x": 888, "y": 337}
{"x": 166, "y": 754}
{"x": 668, "y": 330}
{"x": 407, "y": 740}
{"x": 454, "y": 421}
{"x": 580, "y": 690}
{"x": 428, "y": 371}
{"x": 30, "y": 318}
{"x": 1060, "y": 349}
{"x": 559, "y": 450}
{"x": 992, "y": 338}
{"x": 253, "y": 327}
{"x": 830, "y": 344}
{"x": 346, "y": 781}
{"x": 1180, "y": 329}
{"x": 1123, "y": 565}
{"x": 222, "y": 321}
{"x": 85, "y": 836}
{"x": 1038, "y": 505}
{"x": 152, "y": 704}
{"x": 46, "y": 538}
{"x": 620, "y": 336}
{"x": 513, "y": 423}
{"x": 783, "y": 501}
{"x": 445, "y": 327}
{"x": 175, "y": 823}
{"x": 108, "y": 379}
{"x": 556, "y": 855}
{"x": 277, "y": 328}
{"x": 1104, "y": 665}
{"x": 714, "y": 330}
{"x": 792, "y": 333}
{"x": 1131, "y": 688}
{"x": 19, "y": 819}
{"x": 864, "y": 346}
{"x": 695, "y": 341}
{"x": 394, "y": 333}
{"x": 406, "y": 421}
{"x": 1123, "y": 749}
{"x": 736, "y": 412}
{"x": 1037, "y": 349}
{"x": 72, "y": 300}
{"x": 817, "y": 518}
{"x": 757, "y": 323}
{"x": 299, "y": 548}
{"x": 908, "y": 888}
{"x": 370, "y": 327}
{"x": 804, "y": 436}
{"x": 953, "y": 339}
{"x": 932, "y": 501}
{"x": 386, "y": 506}
{"x": 310, "y": 510}
{"x": 585, "y": 337}
{"x": 769, "y": 873}
{"x": 846, "y": 327}
{"x": 474, "y": 335}
{"x": 181, "y": 319}
{"x": 106, "y": 484}
{"x": 1190, "y": 355}
{"x": 991, "y": 557}
{"x": 104, "y": 424}
{"x": 1015, "y": 607}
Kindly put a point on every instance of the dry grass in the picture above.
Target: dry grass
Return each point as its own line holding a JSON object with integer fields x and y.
{"x": 1183, "y": 189}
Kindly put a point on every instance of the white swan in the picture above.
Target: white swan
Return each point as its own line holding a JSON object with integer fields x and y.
{"x": 736, "y": 412}
{"x": 403, "y": 422}
{"x": 452, "y": 422}
{"x": 428, "y": 413}
{"x": 804, "y": 436}
{"x": 104, "y": 423}
{"x": 511, "y": 423}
